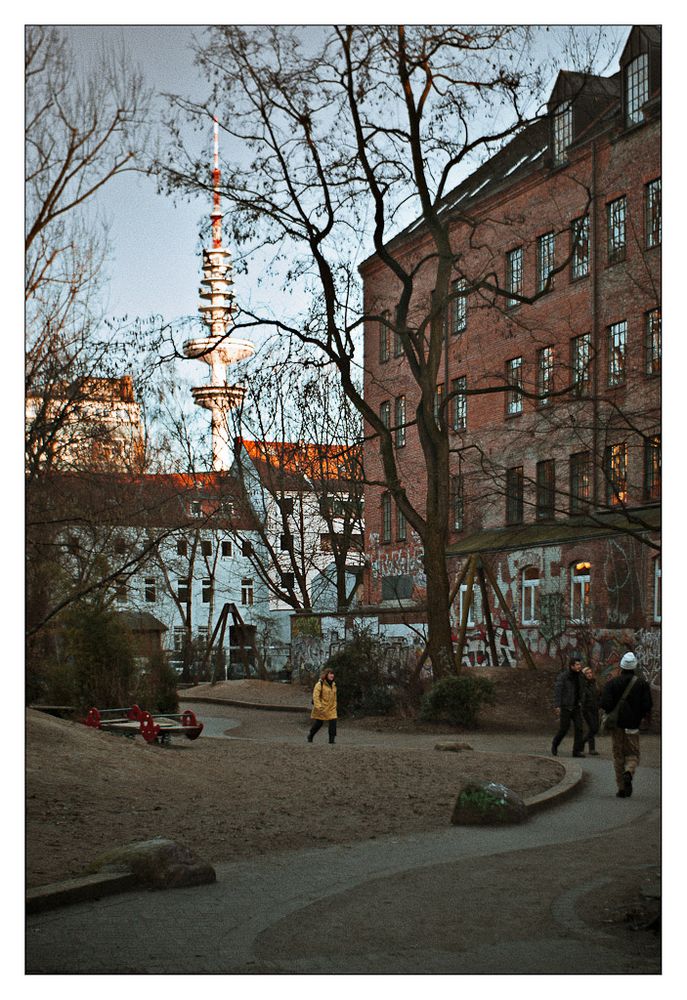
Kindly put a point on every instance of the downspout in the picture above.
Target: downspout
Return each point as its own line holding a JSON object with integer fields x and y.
{"x": 597, "y": 461}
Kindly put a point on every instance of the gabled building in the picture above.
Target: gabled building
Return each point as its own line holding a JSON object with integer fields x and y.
{"x": 550, "y": 387}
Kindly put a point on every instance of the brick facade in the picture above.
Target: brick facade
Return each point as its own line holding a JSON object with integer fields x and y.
{"x": 588, "y": 455}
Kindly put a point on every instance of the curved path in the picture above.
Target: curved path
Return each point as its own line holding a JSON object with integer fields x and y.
{"x": 516, "y": 899}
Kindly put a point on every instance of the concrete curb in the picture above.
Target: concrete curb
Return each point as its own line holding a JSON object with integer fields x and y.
{"x": 78, "y": 890}
{"x": 91, "y": 887}
{"x": 244, "y": 704}
{"x": 572, "y": 781}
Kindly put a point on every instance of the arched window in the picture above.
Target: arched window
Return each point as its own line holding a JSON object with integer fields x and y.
{"x": 530, "y": 595}
{"x": 580, "y": 591}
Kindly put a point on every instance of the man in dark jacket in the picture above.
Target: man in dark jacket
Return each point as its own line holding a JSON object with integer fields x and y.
{"x": 635, "y": 708}
{"x": 568, "y": 693}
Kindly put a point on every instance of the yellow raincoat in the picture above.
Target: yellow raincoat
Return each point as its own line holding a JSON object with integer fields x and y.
{"x": 324, "y": 701}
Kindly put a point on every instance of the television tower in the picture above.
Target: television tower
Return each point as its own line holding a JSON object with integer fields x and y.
{"x": 218, "y": 349}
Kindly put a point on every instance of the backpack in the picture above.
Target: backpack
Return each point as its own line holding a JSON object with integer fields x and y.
{"x": 609, "y": 720}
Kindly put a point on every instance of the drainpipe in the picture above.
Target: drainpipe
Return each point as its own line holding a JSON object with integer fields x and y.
{"x": 597, "y": 461}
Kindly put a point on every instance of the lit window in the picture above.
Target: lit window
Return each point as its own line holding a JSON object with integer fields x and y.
{"x": 530, "y": 595}
{"x": 652, "y": 213}
{"x": 652, "y": 342}
{"x": 545, "y": 261}
{"x": 459, "y": 306}
{"x": 546, "y": 489}
{"x": 514, "y": 275}
{"x": 616, "y": 212}
{"x": 400, "y": 419}
{"x": 460, "y": 403}
{"x": 514, "y": 382}
{"x": 657, "y": 589}
{"x": 580, "y": 481}
{"x": 580, "y": 247}
{"x": 150, "y": 589}
{"x": 581, "y": 348}
{"x": 457, "y": 502}
{"x": 652, "y": 468}
{"x": 636, "y": 88}
{"x": 545, "y": 363}
{"x": 617, "y": 349}
{"x": 580, "y": 592}
{"x": 206, "y": 591}
{"x": 386, "y": 517}
{"x": 616, "y": 474}
{"x": 515, "y": 484}
{"x": 247, "y": 591}
{"x": 562, "y": 130}
{"x": 438, "y": 404}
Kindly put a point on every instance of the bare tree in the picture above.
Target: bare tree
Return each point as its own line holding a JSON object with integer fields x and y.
{"x": 362, "y": 130}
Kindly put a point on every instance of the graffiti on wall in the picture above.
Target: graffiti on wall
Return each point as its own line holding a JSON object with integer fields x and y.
{"x": 477, "y": 652}
{"x": 406, "y": 560}
{"x": 648, "y": 652}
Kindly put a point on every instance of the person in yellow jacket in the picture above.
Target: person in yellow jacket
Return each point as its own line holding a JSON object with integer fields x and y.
{"x": 324, "y": 705}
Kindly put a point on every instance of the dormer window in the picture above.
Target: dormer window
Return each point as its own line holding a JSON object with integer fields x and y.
{"x": 636, "y": 88}
{"x": 562, "y": 131}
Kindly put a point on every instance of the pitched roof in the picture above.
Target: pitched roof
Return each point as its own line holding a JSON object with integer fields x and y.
{"x": 296, "y": 465}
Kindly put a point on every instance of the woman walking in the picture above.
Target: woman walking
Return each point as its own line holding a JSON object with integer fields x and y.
{"x": 324, "y": 705}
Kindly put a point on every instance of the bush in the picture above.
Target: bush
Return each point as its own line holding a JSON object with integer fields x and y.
{"x": 157, "y": 688}
{"x": 98, "y": 651}
{"x": 457, "y": 700}
{"x": 362, "y": 688}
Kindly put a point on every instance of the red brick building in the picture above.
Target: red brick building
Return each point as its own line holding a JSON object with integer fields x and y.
{"x": 550, "y": 384}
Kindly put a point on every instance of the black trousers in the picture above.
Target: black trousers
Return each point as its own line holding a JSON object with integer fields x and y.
{"x": 317, "y": 725}
{"x": 592, "y": 730}
{"x": 569, "y": 715}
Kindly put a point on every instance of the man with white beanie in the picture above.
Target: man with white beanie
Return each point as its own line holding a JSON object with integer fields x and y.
{"x": 634, "y": 709}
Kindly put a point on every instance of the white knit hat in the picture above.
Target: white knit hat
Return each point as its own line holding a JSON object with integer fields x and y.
{"x": 628, "y": 662}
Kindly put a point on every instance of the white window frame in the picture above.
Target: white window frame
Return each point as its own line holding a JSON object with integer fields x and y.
{"x": 530, "y": 596}
{"x": 475, "y": 612}
{"x": 247, "y": 592}
{"x": 580, "y": 591}
{"x": 658, "y": 590}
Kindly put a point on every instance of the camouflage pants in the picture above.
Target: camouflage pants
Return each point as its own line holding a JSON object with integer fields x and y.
{"x": 625, "y": 753}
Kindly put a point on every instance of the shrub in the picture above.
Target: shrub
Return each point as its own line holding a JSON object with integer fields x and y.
{"x": 157, "y": 688}
{"x": 457, "y": 700}
{"x": 362, "y": 688}
{"x": 98, "y": 651}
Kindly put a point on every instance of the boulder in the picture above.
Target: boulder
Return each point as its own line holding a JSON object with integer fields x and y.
{"x": 157, "y": 863}
{"x": 455, "y": 747}
{"x": 487, "y": 802}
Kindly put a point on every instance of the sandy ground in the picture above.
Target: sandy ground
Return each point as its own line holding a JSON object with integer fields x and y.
{"x": 264, "y": 789}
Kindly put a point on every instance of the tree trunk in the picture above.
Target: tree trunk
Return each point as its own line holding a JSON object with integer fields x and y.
{"x": 440, "y": 644}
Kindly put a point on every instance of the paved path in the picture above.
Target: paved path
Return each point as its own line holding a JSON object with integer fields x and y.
{"x": 453, "y": 901}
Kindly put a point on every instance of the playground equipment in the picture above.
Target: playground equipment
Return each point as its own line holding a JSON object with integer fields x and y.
{"x": 153, "y": 728}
